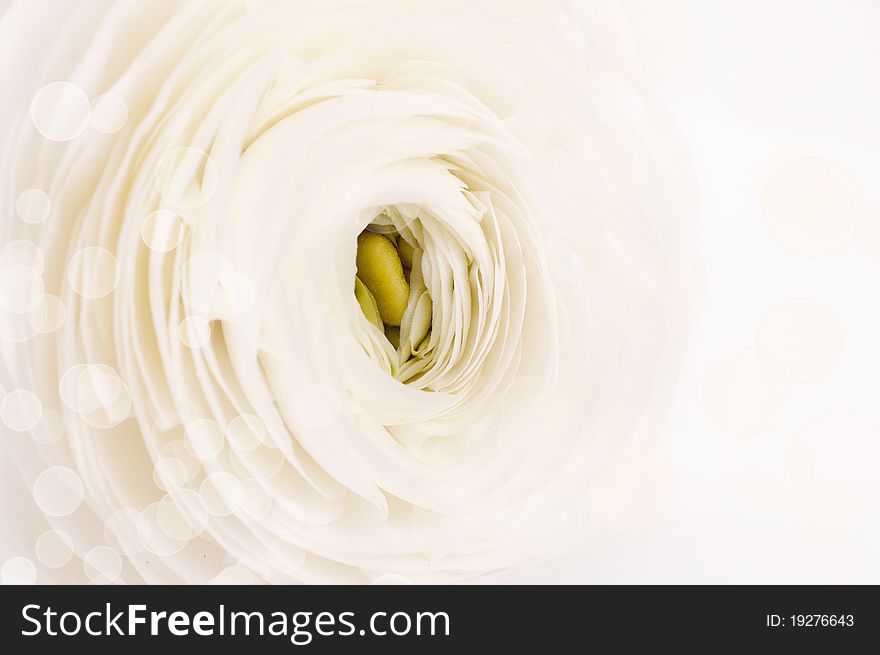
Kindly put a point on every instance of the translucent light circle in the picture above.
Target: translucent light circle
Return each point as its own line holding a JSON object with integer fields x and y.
{"x": 21, "y": 410}
{"x": 60, "y": 111}
{"x": 33, "y": 206}
{"x": 173, "y": 522}
{"x": 93, "y": 272}
{"x": 739, "y": 394}
{"x": 153, "y": 537}
{"x": 194, "y": 331}
{"x": 180, "y": 452}
{"x": 169, "y": 473}
{"x": 162, "y": 230}
{"x": 868, "y": 229}
{"x": 186, "y": 177}
{"x": 18, "y": 571}
{"x": 58, "y": 491}
{"x": 109, "y": 113}
{"x": 97, "y": 393}
{"x": 246, "y": 432}
{"x": 54, "y": 548}
{"x": 50, "y": 429}
{"x": 222, "y": 494}
{"x": 49, "y": 314}
{"x": 37, "y": 318}
{"x": 181, "y": 515}
{"x": 811, "y": 204}
{"x": 102, "y": 565}
{"x": 21, "y": 289}
{"x": 22, "y": 253}
{"x": 98, "y": 386}
{"x": 68, "y": 386}
{"x": 18, "y": 328}
{"x": 317, "y": 406}
{"x": 799, "y": 341}
{"x": 205, "y": 438}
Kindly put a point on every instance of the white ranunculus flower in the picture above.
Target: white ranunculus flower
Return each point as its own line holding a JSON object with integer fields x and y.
{"x": 192, "y": 390}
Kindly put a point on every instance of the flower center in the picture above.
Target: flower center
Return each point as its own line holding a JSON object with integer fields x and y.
{"x": 391, "y": 299}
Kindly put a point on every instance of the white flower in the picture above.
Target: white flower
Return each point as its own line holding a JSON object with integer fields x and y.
{"x": 205, "y": 397}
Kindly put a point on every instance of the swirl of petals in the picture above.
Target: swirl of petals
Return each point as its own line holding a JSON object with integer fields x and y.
{"x": 510, "y": 146}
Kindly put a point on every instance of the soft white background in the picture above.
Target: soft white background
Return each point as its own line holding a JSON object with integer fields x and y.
{"x": 745, "y": 79}
{"x": 756, "y": 77}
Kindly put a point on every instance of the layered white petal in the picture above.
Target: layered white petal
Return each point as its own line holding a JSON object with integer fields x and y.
{"x": 223, "y": 398}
